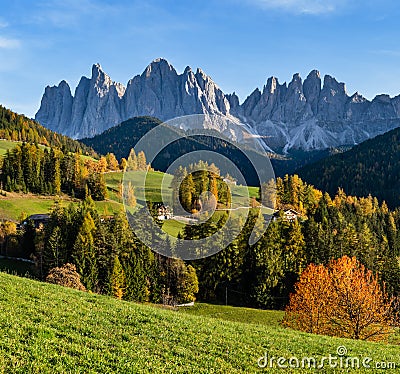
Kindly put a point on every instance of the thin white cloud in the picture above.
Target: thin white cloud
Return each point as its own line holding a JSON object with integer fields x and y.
{"x": 67, "y": 13}
{"x": 314, "y": 7}
{"x": 387, "y": 52}
{"x": 9, "y": 43}
{"x": 3, "y": 24}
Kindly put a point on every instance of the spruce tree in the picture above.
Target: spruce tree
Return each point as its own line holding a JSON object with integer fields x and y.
{"x": 84, "y": 255}
{"x": 118, "y": 279}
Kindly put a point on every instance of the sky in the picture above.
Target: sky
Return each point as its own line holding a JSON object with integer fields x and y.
{"x": 239, "y": 43}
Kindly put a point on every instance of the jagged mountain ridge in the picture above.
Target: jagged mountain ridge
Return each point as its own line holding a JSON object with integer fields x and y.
{"x": 307, "y": 115}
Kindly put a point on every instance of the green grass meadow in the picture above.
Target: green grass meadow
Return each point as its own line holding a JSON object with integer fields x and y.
{"x": 10, "y": 144}
{"x": 152, "y": 182}
{"x": 6, "y": 145}
{"x": 51, "y": 329}
{"x": 14, "y": 205}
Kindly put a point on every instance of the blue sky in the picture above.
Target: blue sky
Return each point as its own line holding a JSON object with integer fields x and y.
{"x": 239, "y": 43}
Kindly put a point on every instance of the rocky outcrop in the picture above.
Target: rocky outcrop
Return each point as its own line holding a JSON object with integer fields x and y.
{"x": 307, "y": 115}
{"x": 96, "y": 105}
{"x": 56, "y": 108}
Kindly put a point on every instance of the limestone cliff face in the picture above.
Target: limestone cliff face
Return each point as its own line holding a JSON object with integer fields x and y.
{"x": 99, "y": 103}
{"x": 306, "y": 115}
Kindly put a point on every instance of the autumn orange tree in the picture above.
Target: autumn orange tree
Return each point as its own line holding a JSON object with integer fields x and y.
{"x": 308, "y": 307}
{"x": 341, "y": 299}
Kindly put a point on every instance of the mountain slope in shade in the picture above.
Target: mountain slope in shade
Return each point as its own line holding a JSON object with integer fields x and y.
{"x": 122, "y": 138}
{"x": 309, "y": 115}
{"x": 372, "y": 167}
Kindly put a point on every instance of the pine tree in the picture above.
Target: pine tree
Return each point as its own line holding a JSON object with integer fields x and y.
{"x": 141, "y": 161}
{"x": 294, "y": 255}
{"x": 102, "y": 165}
{"x": 123, "y": 164}
{"x": 268, "y": 194}
{"x": 132, "y": 164}
{"x": 267, "y": 270}
{"x": 179, "y": 175}
{"x": 186, "y": 193}
{"x": 84, "y": 255}
{"x": 54, "y": 252}
{"x": 213, "y": 186}
{"x": 56, "y": 173}
{"x": 136, "y": 282}
{"x": 188, "y": 285}
{"x": 97, "y": 186}
{"x": 118, "y": 279}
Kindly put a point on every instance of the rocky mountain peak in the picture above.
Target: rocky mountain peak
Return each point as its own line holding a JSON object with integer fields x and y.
{"x": 332, "y": 85}
{"x": 312, "y": 89}
{"x": 314, "y": 75}
{"x": 103, "y": 83}
{"x": 302, "y": 114}
{"x": 97, "y": 70}
{"x": 296, "y": 84}
{"x": 383, "y": 98}
{"x": 159, "y": 66}
{"x": 357, "y": 98}
{"x": 271, "y": 86}
{"x": 296, "y": 78}
{"x": 63, "y": 84}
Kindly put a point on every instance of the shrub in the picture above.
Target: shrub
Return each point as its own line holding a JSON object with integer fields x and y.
{"x": 66, "y": 276}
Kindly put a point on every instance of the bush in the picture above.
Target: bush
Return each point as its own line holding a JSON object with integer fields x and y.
{"x": 66, "y": 276}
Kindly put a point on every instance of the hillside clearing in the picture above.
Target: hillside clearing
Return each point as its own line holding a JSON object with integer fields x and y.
{"x": 14, "y": 205}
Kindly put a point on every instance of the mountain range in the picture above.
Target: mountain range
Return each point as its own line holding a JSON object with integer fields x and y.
{"x": 313, "y": 114}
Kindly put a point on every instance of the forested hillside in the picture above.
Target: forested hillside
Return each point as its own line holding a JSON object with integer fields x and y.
{"x": 17, "y": 127}
{"x": 29, "y": 168}
{"x": 122, "y": 138}
{"x": 264, "y": 274}
{"x": 372, "y": 167}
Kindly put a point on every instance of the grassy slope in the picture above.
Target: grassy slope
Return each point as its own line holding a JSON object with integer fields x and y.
{"x": 5, "y": 145}
{"x": 153, "y": 184}
{"x": 13, "y": 205}
{"x": 49, "y": 329}
{"x": 234, "y": 314}
{"x": 10, "y": 144}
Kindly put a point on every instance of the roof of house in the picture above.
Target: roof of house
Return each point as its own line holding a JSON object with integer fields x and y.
{"x": 285, "y": 211}
{"x": 37, "y": 217}
{"x": 291, "y": 211}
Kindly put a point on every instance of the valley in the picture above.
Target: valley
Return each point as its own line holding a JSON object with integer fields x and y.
{"x": 210, "y": 187}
